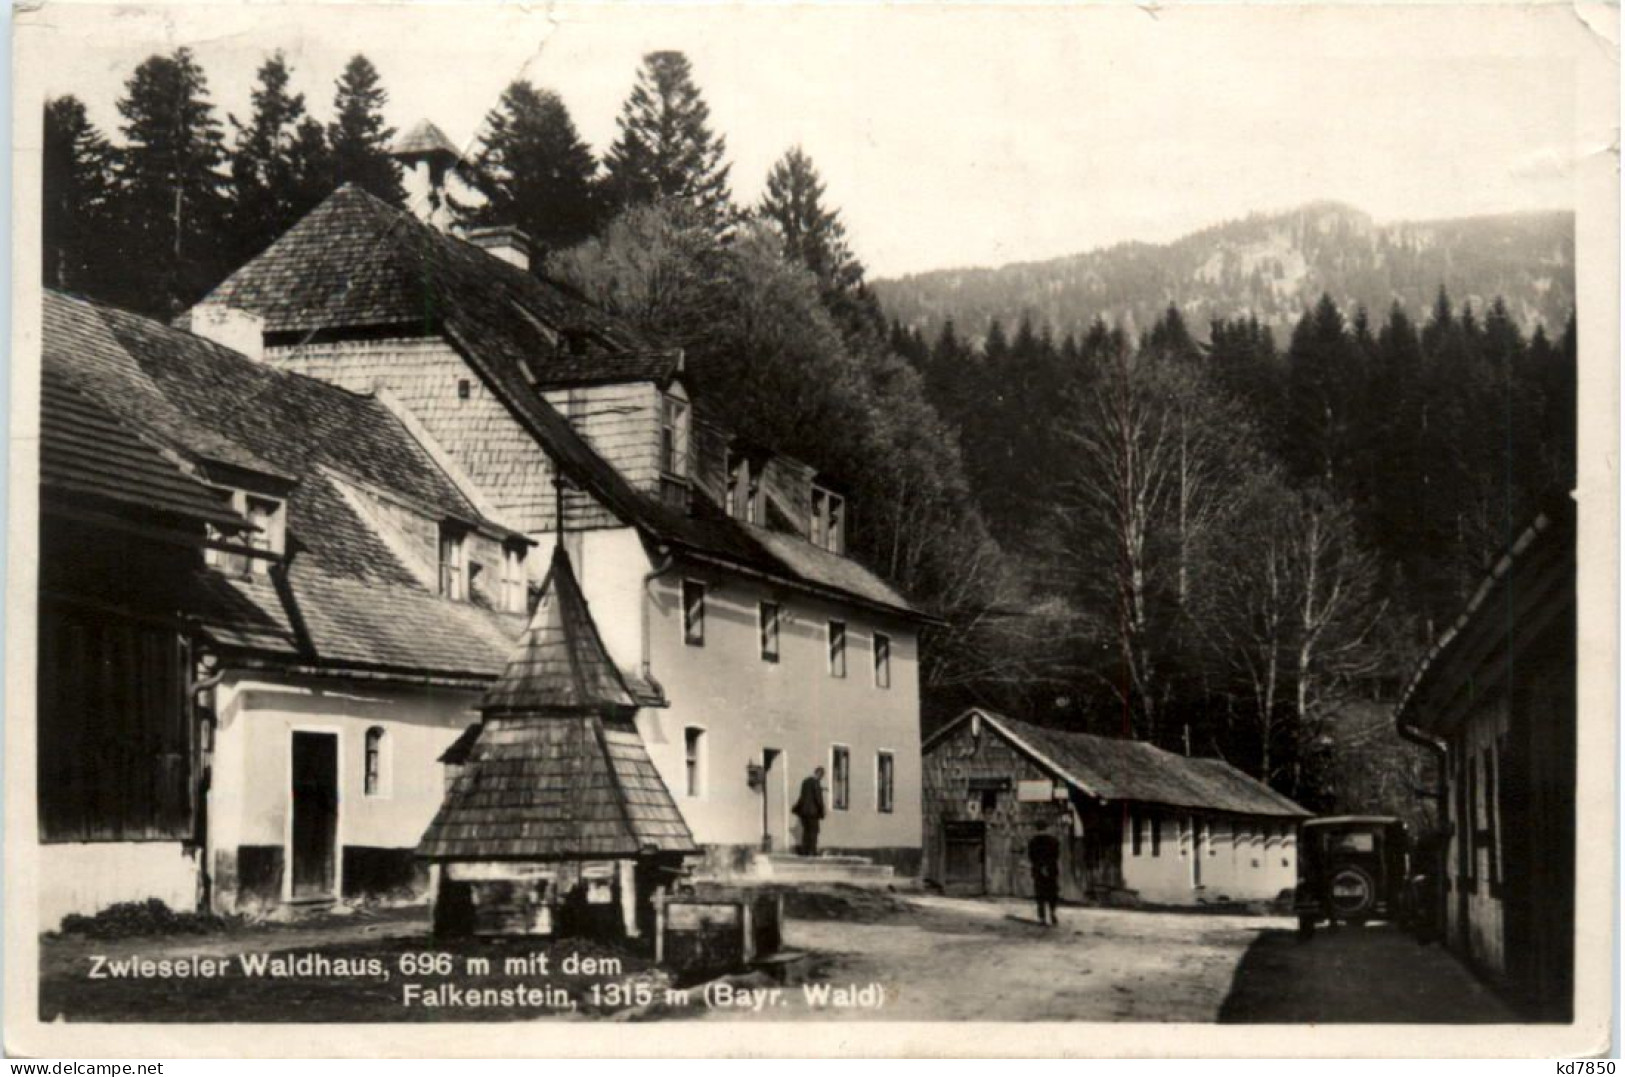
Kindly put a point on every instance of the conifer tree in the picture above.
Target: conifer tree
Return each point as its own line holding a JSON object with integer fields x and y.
{"x": 359, "y": 138}
{"x": 77, "y": 184}
{"x": 279, "y": 166}
{"x": 813, "y": 235}
{"x": 170, "y": 170}
{"x": 535, "y": 171}
{"x": 666, "y": 148}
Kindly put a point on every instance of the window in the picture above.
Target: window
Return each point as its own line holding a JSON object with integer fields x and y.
{"x": 513, "y": 578}
{"x": 767, "y": 619}
{"x": 885, "y": 781}
{"x": 452, "y": 582}
{"x": 837, "y": 648}
{"x": 694, "y": 613}
{"x": 1135, "y": 835}
{"x": 827, "y": 527}
{"x": 1156, "y": 835}
{"x": 673, "y": 435}
{"x": 694, "y": 760}
{"x": 373, "y": 775}
{"x": 840, "y": 780}
{"x": 882, "y": 660}
{"x": 268, "y": 536}
{"x": 731, "y": 501}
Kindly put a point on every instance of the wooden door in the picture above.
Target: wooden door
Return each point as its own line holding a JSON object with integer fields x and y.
{"x": 964, "y": 859}
{"x": 315, "y": 814}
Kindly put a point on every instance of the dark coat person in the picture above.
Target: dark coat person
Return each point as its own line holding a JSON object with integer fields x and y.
{"x": 1044, "y": 854}
{"x": 809, "y": 808}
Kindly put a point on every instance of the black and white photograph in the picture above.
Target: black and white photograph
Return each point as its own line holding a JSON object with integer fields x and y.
{"x": 865, "y": 529}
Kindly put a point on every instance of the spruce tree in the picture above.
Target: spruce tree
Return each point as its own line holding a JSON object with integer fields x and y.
{"x": 535, "y": 171}
{"x": 170, "y": 171}
{"x": 666, "y": 149}
{"x": 78, "y": 191}
{"x": 358, "y": 137}
{"x": 813, "y": 235}
{"x": 279, "y": 166}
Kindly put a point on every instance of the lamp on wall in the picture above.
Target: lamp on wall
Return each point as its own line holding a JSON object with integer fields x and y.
{"x": 754, "y": 775}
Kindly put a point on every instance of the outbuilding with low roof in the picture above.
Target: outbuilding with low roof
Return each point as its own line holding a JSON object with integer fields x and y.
{"x": 1137, "y": 823}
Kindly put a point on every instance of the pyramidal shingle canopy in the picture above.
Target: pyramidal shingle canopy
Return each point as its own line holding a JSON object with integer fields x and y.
{"x": 558, "y": 769}
{"x": 560, "y": 665}
{"x": 423, "y": 138}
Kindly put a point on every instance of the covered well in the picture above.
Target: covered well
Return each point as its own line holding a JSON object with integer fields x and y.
{"x": 559, "y": 821}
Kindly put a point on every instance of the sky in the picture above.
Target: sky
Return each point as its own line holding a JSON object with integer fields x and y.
{"x": 957, "y": 135}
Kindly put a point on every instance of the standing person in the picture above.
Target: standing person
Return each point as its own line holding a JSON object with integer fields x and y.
{"x": 810, "y": 810}
{"x": 1044, "y": 854}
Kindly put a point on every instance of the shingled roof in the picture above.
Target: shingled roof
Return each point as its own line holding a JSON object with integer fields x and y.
{"x": 348, "y": 600}
{"x": 1115, "y": 769}
{"x": 423, "y": 138}
{"x": 558, "y": 769}
{"x": 89, "y": 456}
{"x": 560, "y": 664}
{"x": 358, "y": 265}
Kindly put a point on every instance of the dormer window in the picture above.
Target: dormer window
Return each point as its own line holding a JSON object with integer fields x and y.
{"x": 827, "y": 527}
{"x": 744, "y": 493}
{"x": 453, "y": 564}
{"x": 673, "y": 435}
{"x": 269, "y": 537}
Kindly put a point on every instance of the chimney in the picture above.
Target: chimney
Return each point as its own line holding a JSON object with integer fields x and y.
{"x": 504, "y": 241}
{"x": 232, "y": 328}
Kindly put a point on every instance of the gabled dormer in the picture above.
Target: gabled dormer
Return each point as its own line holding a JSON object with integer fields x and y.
{"x": 827, "y": 516}
{"x": 263, "y": 501}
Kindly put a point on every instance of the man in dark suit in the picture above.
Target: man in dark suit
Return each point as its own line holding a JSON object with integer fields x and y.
{"x": 1044, "y": 854}
{"x": 810, "y": 810}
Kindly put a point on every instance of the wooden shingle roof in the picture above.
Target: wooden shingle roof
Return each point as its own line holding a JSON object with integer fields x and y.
{"x": 423, "y": 139}
{"x": 557, "y": 768}
{"x": 560, "y": 665}
{"x": 577, "y": 786}
{"x": 88, "y": 455}
{"x": 355, "y": 264}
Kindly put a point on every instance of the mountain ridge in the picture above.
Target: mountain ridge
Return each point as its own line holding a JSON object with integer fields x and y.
{"x": 1269, "y": 264}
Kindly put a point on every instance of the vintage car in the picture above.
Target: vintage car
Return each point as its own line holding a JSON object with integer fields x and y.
{"x": 1351, "y": 868}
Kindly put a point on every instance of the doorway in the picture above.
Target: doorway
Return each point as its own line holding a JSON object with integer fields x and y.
{"x": 313, "y": 840}
{"x": 964, "y": 856}
{"x": 775, "y": 810}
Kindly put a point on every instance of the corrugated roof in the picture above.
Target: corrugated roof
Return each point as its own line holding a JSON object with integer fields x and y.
{"x": 1110, "y": 768}
{"x": 87, "y": 454}
{"x": 573, "y": 786}
{"x": 560, "y": 664}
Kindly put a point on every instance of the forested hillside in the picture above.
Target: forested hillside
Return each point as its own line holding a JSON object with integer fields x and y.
{"x": 1267, "y": 266}
{"x": 1219, "y": 495}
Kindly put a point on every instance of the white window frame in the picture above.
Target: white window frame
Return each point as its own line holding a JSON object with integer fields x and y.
{"x": 829, "y": 646}
{"x": 452, "y": 574}
{"x": 695, "y": 781}
{"x": 827, "y": 528}
{"x": 835, "y": 799}
{"x": 881, "y": 806}
{"x": 689, "y": 638}
{"x": 513, "y": 577}
{"x": 762, "y": 608}
{"x": 674, "y": 435}
{"x": 881, "y": 660}
{"x": 270, "y": 539}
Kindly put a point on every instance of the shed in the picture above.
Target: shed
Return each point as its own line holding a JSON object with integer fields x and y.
{"x": 1138, "y": 824}
{"x": 558, "y": 820}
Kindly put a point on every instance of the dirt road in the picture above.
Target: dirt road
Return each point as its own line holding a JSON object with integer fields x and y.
{"x": 989, "y": 960}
